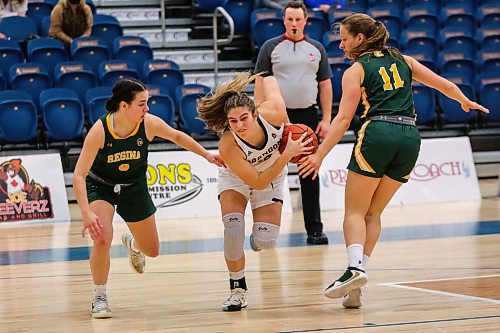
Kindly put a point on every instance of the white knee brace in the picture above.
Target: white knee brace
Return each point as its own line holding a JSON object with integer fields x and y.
{"x": 265, "y": 234}
{"x": 234, "y": 235}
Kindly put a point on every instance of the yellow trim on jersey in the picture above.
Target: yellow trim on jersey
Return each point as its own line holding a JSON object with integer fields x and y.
{"x": 378, "y": 54}
{"x": 362, "y": 163}
{"x": 364, "y": 101}
{"x": 407, "y": 176}
{"x": 113, "y": 134}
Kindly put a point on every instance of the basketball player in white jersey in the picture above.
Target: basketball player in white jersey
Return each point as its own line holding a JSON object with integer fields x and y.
{"x": 256, "y": 170}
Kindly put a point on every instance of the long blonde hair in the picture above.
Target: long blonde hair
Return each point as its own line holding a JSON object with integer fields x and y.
{"x": 213, "y": 108}
{"x": 374, "y": 31}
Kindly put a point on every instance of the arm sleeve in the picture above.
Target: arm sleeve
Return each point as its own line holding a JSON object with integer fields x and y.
{"x": 324, "y": 70}
{"x": 263, "y": 63}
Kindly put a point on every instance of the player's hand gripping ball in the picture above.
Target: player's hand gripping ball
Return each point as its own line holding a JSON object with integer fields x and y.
{"x": 297, "y": 130}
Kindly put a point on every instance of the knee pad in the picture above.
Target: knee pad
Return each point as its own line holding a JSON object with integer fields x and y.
{"x": 265, "y": 234}
{"x": 234, "y": 235}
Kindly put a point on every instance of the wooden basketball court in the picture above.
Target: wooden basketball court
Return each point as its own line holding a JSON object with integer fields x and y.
{"x": 435, "y": 269}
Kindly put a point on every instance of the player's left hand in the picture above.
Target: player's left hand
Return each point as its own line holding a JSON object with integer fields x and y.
{"x": 216, "y": 159}
{"x": 474, "y": 106}
{"x": 309, "y": 164}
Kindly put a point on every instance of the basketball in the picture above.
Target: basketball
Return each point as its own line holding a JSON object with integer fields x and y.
{"x": 297, "y": 130}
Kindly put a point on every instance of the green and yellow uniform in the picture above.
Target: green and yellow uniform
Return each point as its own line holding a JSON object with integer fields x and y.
{"x": 118, "y": 174}
{"x": 388, "y": 143}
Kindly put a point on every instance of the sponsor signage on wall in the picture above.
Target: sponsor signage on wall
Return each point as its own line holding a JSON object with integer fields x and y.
{"x": 444, "y": 171}
{"x": 183, "y": 184}
{"x": 32, "y": 189}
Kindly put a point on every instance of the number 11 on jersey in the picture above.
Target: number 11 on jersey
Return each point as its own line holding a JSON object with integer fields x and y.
{"x": 398, "y": 83}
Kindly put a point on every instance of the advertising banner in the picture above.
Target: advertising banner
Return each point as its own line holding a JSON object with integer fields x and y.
{"x": 32, "y": 189}
{"x": 444, "y": 171}
{"x": 184, "y": 185}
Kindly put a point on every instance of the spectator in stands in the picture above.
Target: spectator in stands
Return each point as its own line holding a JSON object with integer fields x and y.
{"x": 300, "y": 65}
{"x": 70, "y": 19}
{"x": 324, "y": 5}
{"x": 256, "y": 170}
{"x": 388, "y": 142}
{"x": 111, "y": 171}
{"x": 13, "y": 8}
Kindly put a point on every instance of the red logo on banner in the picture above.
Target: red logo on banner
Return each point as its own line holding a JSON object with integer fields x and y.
{"x": 21, "y": 198}
{"x": 426, "y": 172}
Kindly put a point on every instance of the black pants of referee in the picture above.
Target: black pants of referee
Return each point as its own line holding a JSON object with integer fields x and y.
{"x": 309, "y": 188}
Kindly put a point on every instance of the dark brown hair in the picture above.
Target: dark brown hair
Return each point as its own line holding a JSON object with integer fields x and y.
{"x": 124, "y": 91}
{"x": 295, "y": 4}
{"x": 213, "y": 108}
{"x": 376, "y": 35}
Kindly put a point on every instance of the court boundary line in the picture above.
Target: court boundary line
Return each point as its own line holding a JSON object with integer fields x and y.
{"x": 444, "y": 293}
{"x": 369, "y": 325}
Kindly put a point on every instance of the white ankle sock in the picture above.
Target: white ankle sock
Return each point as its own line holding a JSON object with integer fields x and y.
{"x": 355, "y": 255}
{"x": 366, "y": 259}
{"x": 237, "y": 275}
{"x": 99, "y": 289}
{"x": 133, "y": 247}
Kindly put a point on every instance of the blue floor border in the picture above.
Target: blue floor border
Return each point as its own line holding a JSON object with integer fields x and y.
{"x": 390, "y": 234}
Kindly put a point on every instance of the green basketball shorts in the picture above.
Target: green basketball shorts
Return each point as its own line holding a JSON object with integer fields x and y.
{"x": 133, "y": 203}
{"x": 384, "y": 148}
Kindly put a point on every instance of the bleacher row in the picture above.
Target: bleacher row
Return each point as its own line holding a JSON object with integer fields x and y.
{"x": 69, "y": 90}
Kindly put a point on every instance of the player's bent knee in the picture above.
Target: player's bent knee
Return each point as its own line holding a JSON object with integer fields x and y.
{"x": 265, "y": 234}
{"x": 234, "y": 235}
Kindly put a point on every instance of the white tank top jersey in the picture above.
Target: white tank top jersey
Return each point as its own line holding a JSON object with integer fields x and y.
{"x": 263, "y": 157}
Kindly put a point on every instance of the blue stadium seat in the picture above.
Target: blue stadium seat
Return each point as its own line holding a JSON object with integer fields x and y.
{"x": 489, "y": 15}
{"x": 18, "y": 28}
{"x": 488, "y": 96}
{"x": 163, "y": 73}
{"x": 208, "y": 6}
{"x": 113, "y": 70}
{"x": 95, "y": 102}
{"x": 161, "y": 104}
{"x": 452, "y": 112}
{"x": 267, "y": 28}
{"x": 3, "y": 83}
{"x": 48, "y": 52}
{"x": 331, "y": 42}
{"x": 488, "y": 38}
{"x": 19, "y": 117}
{"x": 488, "y": 60}
{"x": 434, "y": 5}
{"x": 419, "y": 10}
{"x": 38, "y": 11}
{"x": 358, "y": 6}
{"x": 458, "y": 17}
{"x": 45, "y": 27}
{"x": 241, "y": 12}
{"x": 456, "y": 62}
{"x": 107, "y": 28}
{"x": 315, "y": 27}
{"x": 31, "y": 78}
{"x": 423, "y": 59}
{"x": 468, "y": 5}
{"x": 187, "y": 99}
{"x": 399, "y": 4}
{"x": 11, "y": 54}
{"x": 465, "y": 44}
{"x": 420, "y": 42}
{"x": 425, "y": 104}
{"x": 62, "y": 114}
{"x": 378, "y": 11}
{"x": 392, "y": 24}
{"x": 338, "y": 15}
{"x": 75, "y": 75}
{"x": 132, "y": 49}
{"x": 423, "y": 22}
{"x": 338, "y": 69}
{"x": 91, "y": 50}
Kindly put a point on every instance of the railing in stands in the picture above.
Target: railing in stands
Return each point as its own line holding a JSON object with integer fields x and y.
{"x": 217, "y": 41}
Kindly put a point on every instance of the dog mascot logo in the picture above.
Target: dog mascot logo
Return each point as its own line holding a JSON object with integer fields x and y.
{"x": 20, "y": 197}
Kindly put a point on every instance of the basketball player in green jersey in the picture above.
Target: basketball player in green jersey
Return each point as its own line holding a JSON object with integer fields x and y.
{"x": 388, "y": 142}
{"x": 111, "y": 171}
